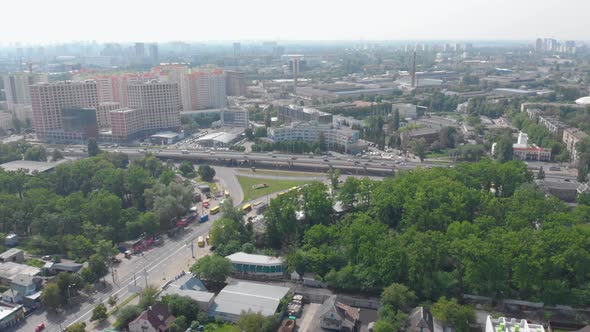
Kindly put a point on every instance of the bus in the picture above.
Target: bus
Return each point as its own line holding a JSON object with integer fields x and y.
{"x": 201, "y": 242}
{"x": 214, "y": 210}
{"x": 247, "y": 208}
{"x": 257, "y": 203}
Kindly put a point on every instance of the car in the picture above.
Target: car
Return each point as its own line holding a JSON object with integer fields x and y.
{"x": 274, "y": 156}
{"x": 326, "y": 160}
{"x": 554, "y": 168}
{"x": 383, "y": 164}
{"x": 310, "y": 156}
{"x": 293, "y": 158}
{"x": 40, "y": 327}
{"x": 46, "y": 258}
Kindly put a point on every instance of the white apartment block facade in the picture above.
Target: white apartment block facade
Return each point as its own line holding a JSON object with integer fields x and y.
{"x": 49, "y": 99}
{"x": 310, "y": 132}
{"x": 158, "y": 104}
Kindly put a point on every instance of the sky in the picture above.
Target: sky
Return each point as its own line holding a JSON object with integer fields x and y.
{"x": 44, "y": 21}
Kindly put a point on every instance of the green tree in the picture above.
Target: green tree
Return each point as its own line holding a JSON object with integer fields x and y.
{"x": 56, "y": 155}
{"x": 99, "y": 312}
{"x": 382, "y": 325}
{"x": 206, "y": 172}
{"x": 36, "y": 153}
{"x": 503, "y": 150}
{"x": 213, "y": 268}
{"x": 127, "y": 314}
{"x": 419, "y": 148}
{"x": 77, "y": 327}
{"x": 453, "y": 314}
{"x": 51, "y": 297}
{"x": 541, "y": 173}
{"x": 93, "y": 149}
{"x": 180, "y": 324}
{"x": 260, "y": 132}
{"x": 398, "y": 296}
{"x": 249, "y": 134}
{"x": 186, "y": 168}
{"x": 334, "y": 177}
{"x": 181, "y": 306}
{"x": 147, "y": 297}
{"x": 256, "y": 322}
{"x": 395, "y": 122}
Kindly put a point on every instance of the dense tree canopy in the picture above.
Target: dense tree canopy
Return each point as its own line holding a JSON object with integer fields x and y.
{"x": 480, "y": 228}
{"x": 70, "y": 210}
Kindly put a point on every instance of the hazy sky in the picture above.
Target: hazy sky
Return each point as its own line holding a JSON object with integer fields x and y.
{"x": 240, "y": 20}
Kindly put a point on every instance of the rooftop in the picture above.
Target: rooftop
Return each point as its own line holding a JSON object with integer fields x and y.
{"x": 6, "y": 310}
{"x": 244, "y": 258}
{"x": 504, "y": 324}
{"x": 9, "y": 253}
{"x": 9, "y": 270}
{"x": 220, "y": 136}
{"x": 241, "y": 296}
{"x": 31, "y": 167}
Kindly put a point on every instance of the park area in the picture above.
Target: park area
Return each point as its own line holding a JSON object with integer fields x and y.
{"x": 254, "y": 187}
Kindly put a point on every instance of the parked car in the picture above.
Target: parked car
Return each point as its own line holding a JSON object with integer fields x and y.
{"x": 40, "y": 327}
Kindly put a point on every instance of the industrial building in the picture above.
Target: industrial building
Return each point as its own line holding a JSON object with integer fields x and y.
{"x": 294, "y": 113}
{"x": 242, "y": 296}
{"x": 219, "y": 138}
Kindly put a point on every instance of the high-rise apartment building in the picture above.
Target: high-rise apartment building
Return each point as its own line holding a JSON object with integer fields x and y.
{"x": 207, "y": 89}
{"x": 158, "y": 104}
{"x": 126, "y": 123}
{"x": 106, "y": 87}
{"x": 154, "y": 56}
{"x": 16, "y": 87}
{"x": 49, "y": 101}
{"x": 139, "y": 51}
{"x": 235, "y": 83}
{"x": 176, "y": 73}
{"x": 102, "y": 113}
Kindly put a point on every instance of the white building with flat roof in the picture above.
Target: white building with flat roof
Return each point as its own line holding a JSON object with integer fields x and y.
{"x": 310, "y": 132}
{"x": 503, "y": 324}
{"x": 244, "y": 263}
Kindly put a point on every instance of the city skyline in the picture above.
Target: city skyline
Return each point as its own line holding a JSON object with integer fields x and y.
{"x": 305, "y": 20}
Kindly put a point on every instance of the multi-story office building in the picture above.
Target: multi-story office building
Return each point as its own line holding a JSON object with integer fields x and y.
{"x": 294, "y": 113}
{"x": 126, "y": 123}
{"x": 50, "y": 99}
{"x": 158, "y": 104}
{"x": 235, "y": 83}
{"x": 16, "y": 87}
{"x": 102, "y": 114}
{"x": 207, "y": 89}
{"x": 571, "y": 136}
{"x": 234, "y": 117}
{"x": 310, "y": 132}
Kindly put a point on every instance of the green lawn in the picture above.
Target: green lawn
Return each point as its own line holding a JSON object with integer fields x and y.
{"x": 215, "y": 327}
{"x": 282, "y": 173}
{"x": 250, "y": 193}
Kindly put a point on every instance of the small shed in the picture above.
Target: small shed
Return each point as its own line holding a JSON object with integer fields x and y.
{"x": 11, "y": 240}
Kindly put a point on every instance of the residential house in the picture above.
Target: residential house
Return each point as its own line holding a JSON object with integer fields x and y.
{"x": 156, "y": 319}
{"x": 571, "y": 136}
{"x": 421, "y": 320}
{"x": 338, "y": 316}
{"x": 191, "y": 286}
{"x": 21, "y": 286}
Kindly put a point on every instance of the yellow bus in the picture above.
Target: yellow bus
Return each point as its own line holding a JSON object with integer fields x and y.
{"x": 214, "y": 210}
{"x": 257, "y": 203}
{"x": 247, "y": 208}
{"x": 201, "y": 242}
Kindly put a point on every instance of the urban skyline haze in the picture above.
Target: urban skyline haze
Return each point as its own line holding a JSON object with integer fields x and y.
{"x": 133, "y": 20}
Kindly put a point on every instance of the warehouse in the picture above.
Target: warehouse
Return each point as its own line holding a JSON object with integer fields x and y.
{"x": 243, "y": 296}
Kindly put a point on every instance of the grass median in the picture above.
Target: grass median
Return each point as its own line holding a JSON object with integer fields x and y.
{"x": 249, "y": 186}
